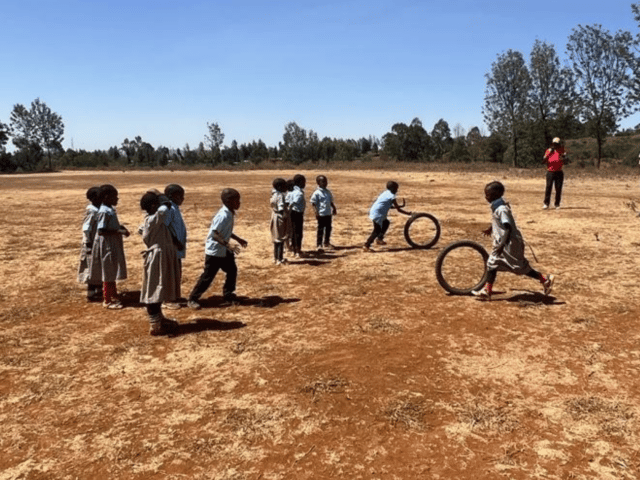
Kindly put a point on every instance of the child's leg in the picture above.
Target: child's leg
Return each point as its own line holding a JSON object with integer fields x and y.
{"x": 385, "y": 227}
{"x": 377, "y": 228}
{"x": 109, "y": 292}
{"x": 546, "y": 280}
{"x": 320, "y": 232}
{"x": 327, "y": 230}
{"x": 230, "y": 268}
{"x": 211, "y": 267}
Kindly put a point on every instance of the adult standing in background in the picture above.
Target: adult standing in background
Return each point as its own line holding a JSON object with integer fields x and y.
{"x": 554, "y": 159}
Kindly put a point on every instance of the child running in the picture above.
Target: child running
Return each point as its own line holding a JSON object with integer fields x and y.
{"x": 161, "y": 267}
{"x": 508, "y": 245}
{"x": 107, "y": 255}
{"x": 378, "y": 214}
{"x": 279, "y": 219}
{"x": 322, "y": 201}
{"x": 89, "y": 228}
{"x": 219, "y": 254}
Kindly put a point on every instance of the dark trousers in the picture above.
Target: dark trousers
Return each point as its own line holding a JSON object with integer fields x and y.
{"x": 211, "y": 266}
{"x": 297, "y": 227}
{"x": 492, "y": 274}
{"x": 378, "y": 231}
{"x": 278, "y": 251}
{"x": 557, "y": 179}
{"x": 324, "y": 230}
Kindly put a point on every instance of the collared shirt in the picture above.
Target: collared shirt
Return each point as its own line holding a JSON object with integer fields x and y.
{"x": 177, "y": 227}
{"x": 108, "y": 218}
{"x": 322, "y": 199}
{"x": 90, "y": 223}
{"x": 223, "y": 224}
{"x": 381, "y": 206}
{"x": 501, "y": 214}
{"x": 296, "y": 199}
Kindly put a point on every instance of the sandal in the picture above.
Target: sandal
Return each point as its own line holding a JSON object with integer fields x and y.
{"x": 115, "y": 305}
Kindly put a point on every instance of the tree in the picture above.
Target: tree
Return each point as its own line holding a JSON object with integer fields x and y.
{"x": 37, "y": 126}
{"x": 4, "y": 136}
{"x": 214, "y": 141}
{"x": 441, "y": 138}
{"x": 295, "y": 142}
{"x": 551, "y": 94}
{"x": 603, "y": 67}
{"x": 506, "y": 101}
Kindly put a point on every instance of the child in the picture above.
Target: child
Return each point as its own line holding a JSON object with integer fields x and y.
{"x": 322, "y": 201}
{"x": 89, "y": 228}
{"x": 279, "y": 219}
{"x": 378, "y": 214}
{"x": 177, "y": 228}
{"x": 297, "y": 202}
{"x": 107, "y": 255}
{"x": 161, "y": 268}
{"x": 508, "y": 245}
{"x": 287, "y": 200}
{"x": 219, "y": 255}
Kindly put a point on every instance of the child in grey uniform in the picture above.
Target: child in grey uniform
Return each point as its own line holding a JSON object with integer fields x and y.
{"x": 161, "y": 272}
{"x": 89, "y": 228}
{"x": 279, "y": 225}
{"x": 107, "y": 255}
{"x": 508, "y": 245}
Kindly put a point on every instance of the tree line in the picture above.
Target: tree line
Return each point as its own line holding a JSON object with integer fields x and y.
{"x": 525, "y": 105}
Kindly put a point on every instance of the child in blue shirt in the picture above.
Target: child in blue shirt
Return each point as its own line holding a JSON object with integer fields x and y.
{"x": 297, "y": 204}
{"x": 378, "y": 214}
{"x": 177, "y": 228}
{"x": 322, "y": 201}
{"x": 219, "y": 254}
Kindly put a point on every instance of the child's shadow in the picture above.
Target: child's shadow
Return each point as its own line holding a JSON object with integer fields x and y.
{"x": 532, "y": 298}
{"x": 206, "y": 324}
{"x": 269, "y": 301}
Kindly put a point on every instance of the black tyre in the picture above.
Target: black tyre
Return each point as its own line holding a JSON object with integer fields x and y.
{"x": 462, "y": 267}
{"x": 422, "y": 230}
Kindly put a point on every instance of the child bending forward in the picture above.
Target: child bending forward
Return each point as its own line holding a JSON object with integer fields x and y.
{"x": 508, "y": 245}
{"x": 161, "y": 267}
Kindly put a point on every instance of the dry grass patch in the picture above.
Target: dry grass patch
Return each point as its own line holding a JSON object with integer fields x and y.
{"x": 407, "y": 413}
{"x": 378, "y": 324}
{"x": 612, "y": 417}
{"x": 321, "y": 385}
{"x": 486, "y": 415}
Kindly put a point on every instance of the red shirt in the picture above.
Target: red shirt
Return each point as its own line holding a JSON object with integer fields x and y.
{"x": 555, "y": 159}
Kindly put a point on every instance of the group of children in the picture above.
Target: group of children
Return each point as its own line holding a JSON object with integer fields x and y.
{"x": 287, "y": 215}
{"x": 102, "y": 258}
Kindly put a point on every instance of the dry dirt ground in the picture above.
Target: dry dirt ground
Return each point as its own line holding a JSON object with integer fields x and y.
{"x": 345, "y": 365}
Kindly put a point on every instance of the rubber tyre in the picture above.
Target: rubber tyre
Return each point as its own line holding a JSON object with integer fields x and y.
{"x": 448, "y": 249}
{"x": 432, "y": 241}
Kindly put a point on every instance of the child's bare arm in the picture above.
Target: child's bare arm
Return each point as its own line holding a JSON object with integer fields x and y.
{"x": 335, "y": 210}
{"x": 241, "y": 241}
{"x": 399, "y": 207}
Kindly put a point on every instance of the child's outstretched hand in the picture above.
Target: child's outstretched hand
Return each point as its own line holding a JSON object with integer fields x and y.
{"x": 123, "y": 230}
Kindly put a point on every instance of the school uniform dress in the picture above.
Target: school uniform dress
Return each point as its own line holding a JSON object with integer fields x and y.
{"x": 107, "y": 255}
{"x": 322, "y": 199}
{"x": 161, "y": 267}
{"x": 279, "y": 217}
{"x": 218, "y": 256}
{"x": 512, "y": 258}
{"x": 89, "y": 229}
{"x": 378, "y": 214}
{"x": 298, "y": 205}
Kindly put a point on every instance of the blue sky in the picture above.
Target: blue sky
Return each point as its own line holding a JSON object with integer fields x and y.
{"x": 345, "y": 69}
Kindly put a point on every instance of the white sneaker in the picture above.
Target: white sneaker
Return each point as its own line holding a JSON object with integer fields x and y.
{"x": 557, "y": 207}
{"x": 545, "y": 206}
{"x": 548, "y": 285}
{"x": 483, "y": 293}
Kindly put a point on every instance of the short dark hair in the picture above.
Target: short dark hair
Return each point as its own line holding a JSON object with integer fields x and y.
{"x": 299, "y": 180}
{"x": 106, "y": 190}
{"x": 280, "y": 184}
{"x": 93, "y": 194}
{"x": 391, "y": 185}
{"x": 173, "y": 189}
{"x": 148, "y": 201}
{"x": 229, "y": 194}
{"x": 290, "y": 184}
{"x": 320, "y": 177}
{"x": 496, "y": 187}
